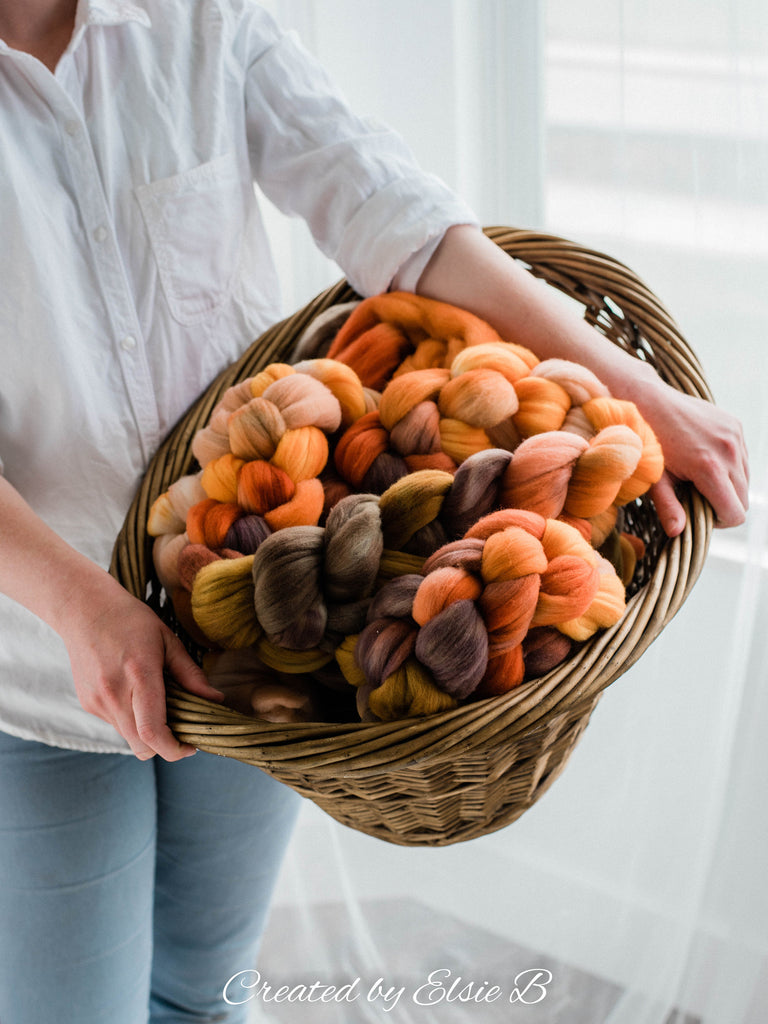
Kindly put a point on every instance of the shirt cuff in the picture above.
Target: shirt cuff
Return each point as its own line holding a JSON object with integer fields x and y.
{"x": 407, "y": 277}
{"x": 392, "y": 236}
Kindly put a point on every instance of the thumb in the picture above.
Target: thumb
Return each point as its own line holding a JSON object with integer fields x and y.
{"x": 669, "y": 510}
{"x": 184, "y": 670}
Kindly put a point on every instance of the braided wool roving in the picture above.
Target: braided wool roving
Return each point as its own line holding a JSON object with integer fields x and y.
{"x": 420, "y": 508}
{"x": 261, "y": 455}
{"x": 575, "y": 449}
{"x": 398, "y": 332}
{"x": 462, "y": 621}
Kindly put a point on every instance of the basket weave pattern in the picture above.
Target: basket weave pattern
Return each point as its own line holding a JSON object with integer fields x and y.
{"x": 463, "y": 773}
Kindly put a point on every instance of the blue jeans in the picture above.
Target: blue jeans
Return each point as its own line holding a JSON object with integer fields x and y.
{"x": 131, "y": 891}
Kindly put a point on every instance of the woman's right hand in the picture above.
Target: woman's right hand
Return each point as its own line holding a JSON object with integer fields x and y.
{"x": 119, "y": 649}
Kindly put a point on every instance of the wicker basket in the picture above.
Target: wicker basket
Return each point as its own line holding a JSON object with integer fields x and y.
{"x": 459, "y": 774}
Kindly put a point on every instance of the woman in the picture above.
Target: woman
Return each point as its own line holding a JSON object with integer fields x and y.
{"x": 135, "y": 267}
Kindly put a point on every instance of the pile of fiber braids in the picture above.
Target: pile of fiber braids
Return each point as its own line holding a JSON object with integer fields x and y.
{"x": 516, "y": 587}
{"x": 261, "y": 456}
{"x": 413, "y": 518}
{"x": 414, "y": 633}
{"x": 576, "y": 449}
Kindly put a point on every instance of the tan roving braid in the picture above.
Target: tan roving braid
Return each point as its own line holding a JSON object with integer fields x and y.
{"x": 462, "y": 773}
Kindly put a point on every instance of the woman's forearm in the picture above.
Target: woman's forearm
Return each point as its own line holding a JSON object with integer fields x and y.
{"x": 470, "y": 271}
{"x": 702, "y": 443}
{"x": 117, "y": 647}
{"x": 39, "y": 570}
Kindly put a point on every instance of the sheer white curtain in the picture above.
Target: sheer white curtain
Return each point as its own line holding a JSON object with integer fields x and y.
{"x": 639, "y": 127}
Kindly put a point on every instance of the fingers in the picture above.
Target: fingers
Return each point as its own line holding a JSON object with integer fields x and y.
{"x": 725, "y": 485}
{"x": 152, "y": 734}
{"x": 119, "y": 651}
{"x": 729, "y": 501}
{"x": 730, "y": 482}
{"x": 129, "y": 693}
{"x": 740, "y": 481}
{"x": 729, "y": 507}
{"x": 136, "y": 707}
{"x": 184, "y": 670}
{"x": 668, "y": 508}
{"x": 727, "y": 504}
{"x": 145, "y": 727}
{"x": 702, "y": 444}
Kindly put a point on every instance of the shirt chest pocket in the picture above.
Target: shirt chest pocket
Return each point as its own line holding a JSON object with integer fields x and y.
{"x": 195, "y": 225}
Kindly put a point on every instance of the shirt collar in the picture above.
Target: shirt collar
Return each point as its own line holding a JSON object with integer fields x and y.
{"x": 102, "y": 12}
{"x": 109, "y": 12}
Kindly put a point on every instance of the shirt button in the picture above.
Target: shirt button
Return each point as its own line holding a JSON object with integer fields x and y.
{"x": 128, "y": 343}
{"x": 71, "y": 127}
{"x": 100, "y": 233}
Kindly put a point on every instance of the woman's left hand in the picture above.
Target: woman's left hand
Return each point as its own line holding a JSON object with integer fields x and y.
{"x": 702, "y": 444}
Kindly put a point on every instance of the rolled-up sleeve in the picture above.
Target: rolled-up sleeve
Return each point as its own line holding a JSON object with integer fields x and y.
{"x": 368, "y": 204}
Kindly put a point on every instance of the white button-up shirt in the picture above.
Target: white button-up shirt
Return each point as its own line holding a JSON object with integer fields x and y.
{"x": 134, "y": 264}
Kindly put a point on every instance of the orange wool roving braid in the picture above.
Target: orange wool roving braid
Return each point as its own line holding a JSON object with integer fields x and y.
{"x": 623, "y": 455}
{"x": 278, "y": 440}
{"x": 281, "y": 417}
{"x": 435, "y": 417}
{"x": 210, "y": 521}
{"x": 606, "y": 412}
{"x": 386, "y": 330}
{"x": 465, "y": 618}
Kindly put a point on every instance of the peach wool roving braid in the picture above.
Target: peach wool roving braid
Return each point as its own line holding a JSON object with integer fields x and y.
{"x": 260, "y": 457}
